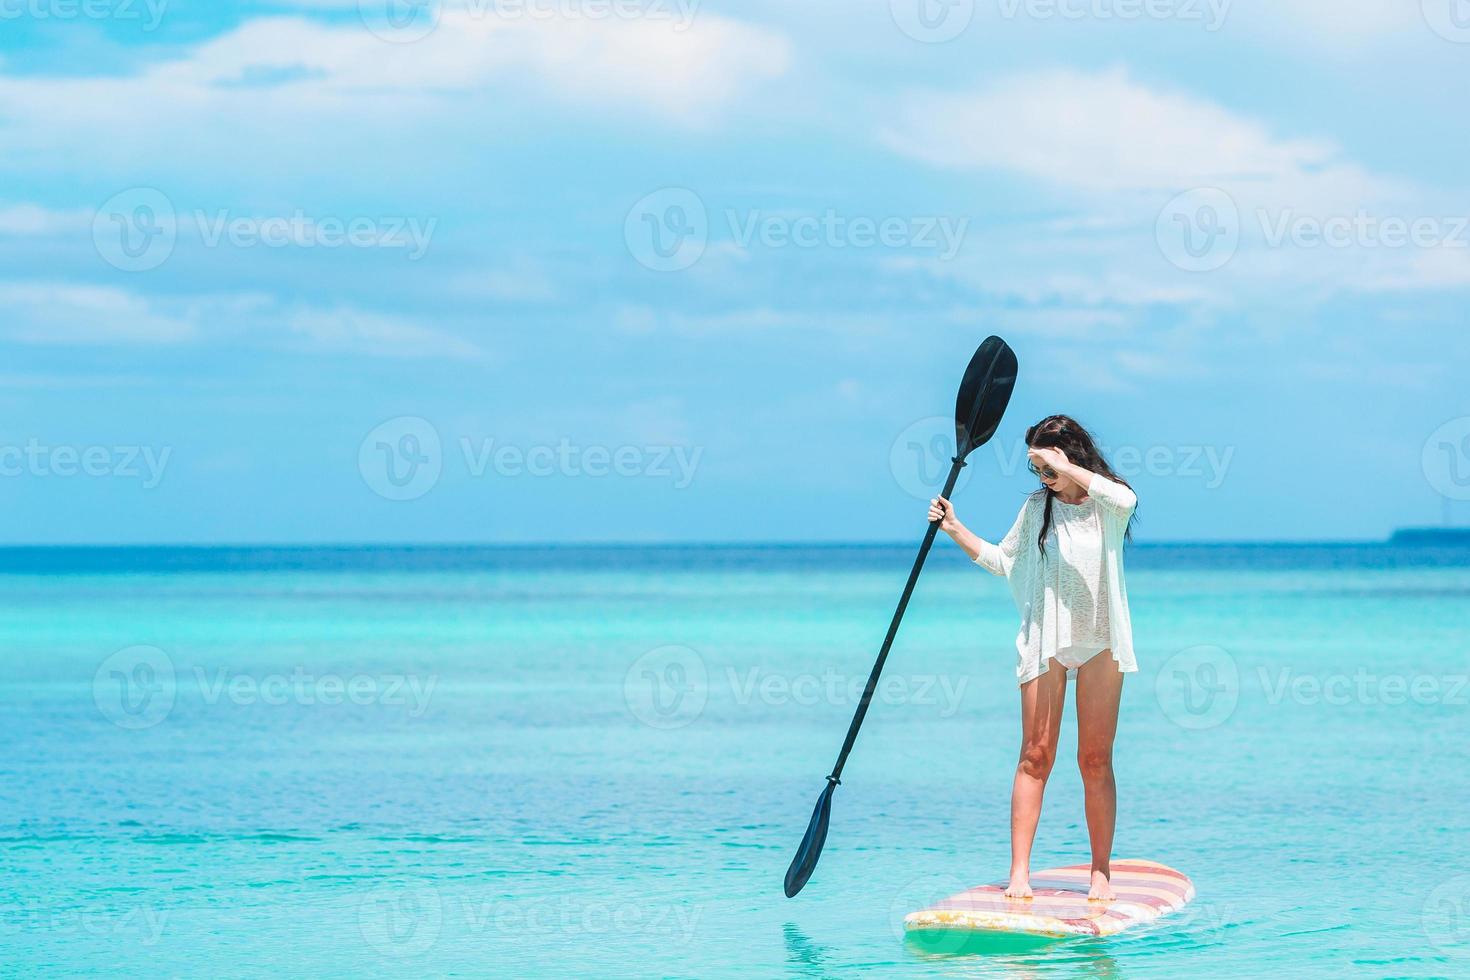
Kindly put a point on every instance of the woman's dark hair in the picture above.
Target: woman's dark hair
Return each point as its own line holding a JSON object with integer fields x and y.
{"x": 1067, "y": 434}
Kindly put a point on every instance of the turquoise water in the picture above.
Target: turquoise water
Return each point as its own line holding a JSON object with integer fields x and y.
{"x": 598, "y": 762}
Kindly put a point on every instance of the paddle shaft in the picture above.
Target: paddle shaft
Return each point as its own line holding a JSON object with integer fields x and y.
{"x": 903, "y": 603}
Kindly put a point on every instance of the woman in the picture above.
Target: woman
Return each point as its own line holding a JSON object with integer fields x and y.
{"x": 1064, "y": 563}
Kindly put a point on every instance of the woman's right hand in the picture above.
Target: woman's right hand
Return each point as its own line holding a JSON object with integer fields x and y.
{"x": 942, "y": 510}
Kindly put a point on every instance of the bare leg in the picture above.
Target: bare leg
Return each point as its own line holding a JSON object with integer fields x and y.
{"x": 1041, "y": 720}
{"x": 1099, "y": 687}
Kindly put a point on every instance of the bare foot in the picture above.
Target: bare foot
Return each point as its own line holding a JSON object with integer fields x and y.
{"x": 1102, "y": 889}
{"x": 1020, "y": 886}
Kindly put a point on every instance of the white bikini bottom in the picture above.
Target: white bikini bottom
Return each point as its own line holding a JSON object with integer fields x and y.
{"x": 1073, "y": 657}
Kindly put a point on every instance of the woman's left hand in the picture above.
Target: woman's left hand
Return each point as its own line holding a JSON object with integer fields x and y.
{"x": 1044, "y": 457}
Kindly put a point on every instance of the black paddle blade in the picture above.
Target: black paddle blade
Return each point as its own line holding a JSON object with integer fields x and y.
{"x": 984, "y": 395}
{"x": 805, "y": 861}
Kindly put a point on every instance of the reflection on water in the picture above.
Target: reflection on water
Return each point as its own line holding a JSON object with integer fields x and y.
{"x": 806, "y": 958}
{"x": 1012, "y": 955}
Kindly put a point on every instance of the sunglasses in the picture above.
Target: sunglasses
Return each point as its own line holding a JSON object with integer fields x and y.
{"x": 1046, "y": 471}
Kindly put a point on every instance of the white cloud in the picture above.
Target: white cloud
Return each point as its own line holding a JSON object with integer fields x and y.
{"x": 1330, "y": 24}
{"x": 28, "y": 220}
{"x": 642, "y": 320}
{"x": 64, "y": 313}
{"x": 274, "y": 77}
{"x": 523, "y": 280}
{"x": 1118, "y": 151}
{"x": 1445, "y": 267}
{"x": 1106, "y": 133}
{"x": 68, "y": 313}
{"x": 360, "y": 332}
{"x": 65, "y": 382}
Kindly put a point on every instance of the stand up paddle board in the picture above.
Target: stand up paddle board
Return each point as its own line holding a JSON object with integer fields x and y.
{"x": 1145, "y": 891}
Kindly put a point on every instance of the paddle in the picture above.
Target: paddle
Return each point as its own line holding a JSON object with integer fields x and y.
{"x": 984, "y": 394}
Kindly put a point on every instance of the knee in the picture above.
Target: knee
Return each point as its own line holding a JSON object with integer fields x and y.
{"x": 1096, "y": 764}
{"x": 1037, "y": 759}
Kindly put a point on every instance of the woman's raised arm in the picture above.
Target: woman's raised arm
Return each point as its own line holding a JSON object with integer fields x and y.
{"x": 994, "y": 558}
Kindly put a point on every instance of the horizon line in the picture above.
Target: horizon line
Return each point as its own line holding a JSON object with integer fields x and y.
{"x": 768, "y": 543}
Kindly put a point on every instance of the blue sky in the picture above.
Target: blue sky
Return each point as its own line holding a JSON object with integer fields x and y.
{"x": 613, "y": 271}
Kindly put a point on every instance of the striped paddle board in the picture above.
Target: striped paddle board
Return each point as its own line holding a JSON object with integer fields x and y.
{"x": 1146, "y": 890}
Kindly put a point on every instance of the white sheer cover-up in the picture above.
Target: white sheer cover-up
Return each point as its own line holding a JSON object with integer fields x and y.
{"x": 1074, "y": 596}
